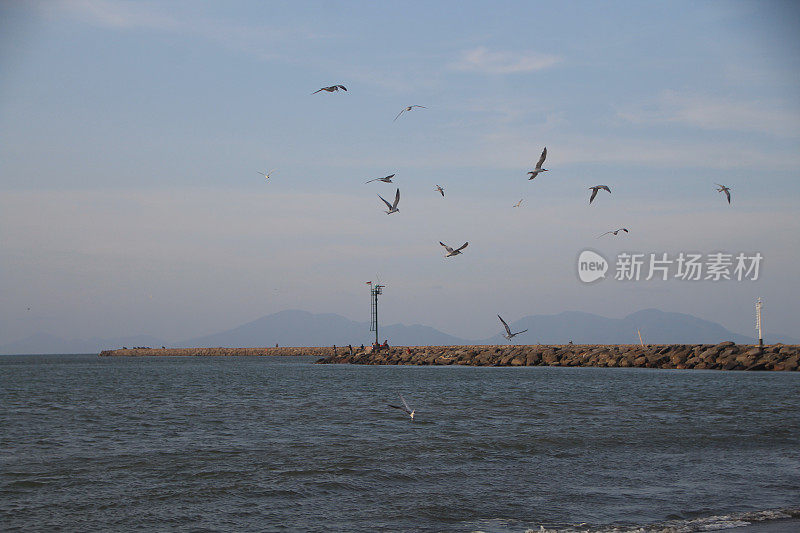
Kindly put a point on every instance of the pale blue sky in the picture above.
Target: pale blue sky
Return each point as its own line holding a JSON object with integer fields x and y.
{"x": 131, "y": 134}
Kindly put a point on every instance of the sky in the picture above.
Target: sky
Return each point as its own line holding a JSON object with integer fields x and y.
{"x": 132, "y": 134}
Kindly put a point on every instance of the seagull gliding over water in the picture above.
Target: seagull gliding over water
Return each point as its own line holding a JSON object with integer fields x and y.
{"x": 331, "y": 89}
{"x": 508, "y": 335}
{"x": 614, "y": 232}
{"x": 450, "y": 251}
{"x": 409, "y": 108}
{"x": 726, "y": 190}
{"x": 267, "y": 175}
{"x": 597, "y": 188}
{"x": 387, "y": 179}
{"x": 405, "y": 407}
{"x": 535, "y": 172}
{"x": 439, "y": 188}
{"x": 392, "y": 207}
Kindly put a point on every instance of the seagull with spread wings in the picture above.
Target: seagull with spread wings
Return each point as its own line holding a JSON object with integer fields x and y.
{"x": 518, "y": 203}
{"x": 405, "y": 408}
{"x": 614, "y": 232}
{"x": 387, "y": 179}
{"x": 726, "y": 190}
{"x": 451, "y": 252}
{"x": 439, "y": 188}
{"x": 535, "y": 172}
{"x": 331, "y": 89}
{"x": 266, "y": 175}
{"x": 392, "y": 207}
{"x": 597, "y": 188}
{"x": 508, "y": 335}
{"x": 409, "y": 108}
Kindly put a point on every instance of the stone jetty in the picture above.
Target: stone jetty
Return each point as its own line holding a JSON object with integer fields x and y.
{"x": 722, "y": 356}
{"x": 324, "y": 351}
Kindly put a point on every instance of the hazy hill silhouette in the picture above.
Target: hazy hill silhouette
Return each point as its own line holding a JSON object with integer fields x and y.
{"x": 657, "y": 327}
{"x": 301, "y": 328}
{"x": 43, "y": 343}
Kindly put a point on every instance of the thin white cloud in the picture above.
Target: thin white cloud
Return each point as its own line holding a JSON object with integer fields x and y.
{"x": 253, "y": 39}
{"x": 715, "y": 113}
{"x": 108, "y": 14}
{"x": 485, "y": 61}
{"x": 387, "y": 79}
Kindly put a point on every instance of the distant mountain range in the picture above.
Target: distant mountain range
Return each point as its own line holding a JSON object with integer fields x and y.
{"x": 42, "y": 343}
{"x": 656, "y": 327}
{"x": 300, "y": 328}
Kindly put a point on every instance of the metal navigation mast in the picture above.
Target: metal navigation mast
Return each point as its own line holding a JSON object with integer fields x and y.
{"x": 375, "y": 290}
{"x": 758, "y": 324}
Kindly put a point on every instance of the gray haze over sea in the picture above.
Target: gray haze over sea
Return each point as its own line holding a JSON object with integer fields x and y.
{"x": 281, "y": 444}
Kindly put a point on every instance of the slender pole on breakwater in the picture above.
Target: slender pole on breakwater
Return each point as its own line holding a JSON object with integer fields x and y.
{"x": 758, "y": 325}
{"x": 375, "y": 290}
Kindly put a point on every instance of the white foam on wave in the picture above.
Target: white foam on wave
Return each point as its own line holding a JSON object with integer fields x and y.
{"x": 695, "y": 525}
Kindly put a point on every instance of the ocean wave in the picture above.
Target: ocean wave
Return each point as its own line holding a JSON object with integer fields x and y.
{"x": 694, "y": 525}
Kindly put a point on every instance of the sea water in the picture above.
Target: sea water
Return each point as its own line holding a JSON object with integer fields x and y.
{"x": 282, "y": 444}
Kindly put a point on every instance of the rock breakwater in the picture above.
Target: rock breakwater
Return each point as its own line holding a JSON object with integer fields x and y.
{"x": 324, "y": 351}
{"x": 723, "y": 356}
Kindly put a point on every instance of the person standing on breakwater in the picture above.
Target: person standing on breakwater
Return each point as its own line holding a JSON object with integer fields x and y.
{"x": 350, "y": 347}
{"x": 334, "y": 349}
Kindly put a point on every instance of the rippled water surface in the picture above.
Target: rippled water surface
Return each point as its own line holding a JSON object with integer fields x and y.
{"x": 281, "y": 444}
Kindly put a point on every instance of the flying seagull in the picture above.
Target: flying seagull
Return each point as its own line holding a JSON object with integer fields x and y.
{"x": 508, "y": 335}
{"x": 535, "y": 172}
{"x": 267, "y": 175}
{"x": 726, "y": 190}
{"x": 450, "y": 251}
{"x": 392, "y": 207}
{"x": 614, "y": 232}
{"x": 518, "y": 203}
{"x": 597, "y": 188}
{"x": 409, "y": 108}
{"x": 387, "y": 179}
{"x": 331, "y": 89}
{"x": 410, "y": 412}
{"x": 439, "y": 188}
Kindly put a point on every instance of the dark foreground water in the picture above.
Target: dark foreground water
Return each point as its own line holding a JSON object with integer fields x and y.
{"x": 280, "y": 444}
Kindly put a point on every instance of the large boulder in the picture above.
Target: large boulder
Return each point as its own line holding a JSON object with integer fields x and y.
{"x": 505, "y": 360}
{"x": 533, "y": 358}
{"x": 678, "y": 356}
{"x": 549, "y": 356}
